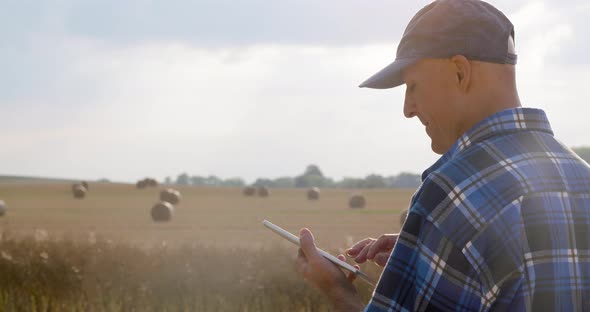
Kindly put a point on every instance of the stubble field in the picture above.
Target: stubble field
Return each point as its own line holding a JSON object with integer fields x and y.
{"x": 104, "y": 253}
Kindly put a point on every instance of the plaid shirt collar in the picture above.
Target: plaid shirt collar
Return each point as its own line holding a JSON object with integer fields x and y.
{"x": 502, "y": 123}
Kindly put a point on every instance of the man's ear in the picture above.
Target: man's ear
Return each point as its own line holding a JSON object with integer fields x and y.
{"x": 462, "y": 68}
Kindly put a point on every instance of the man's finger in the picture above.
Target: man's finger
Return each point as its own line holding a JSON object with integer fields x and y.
{"x": 384, "y": 243}
{"x": 362, "y": 256}
{"x": 351, "y": 276}
{"x": 307, "y": 244}
{"x": 300, "y": 254}
{"x": 357, "y": 247}
{"x": 300, "y": 262}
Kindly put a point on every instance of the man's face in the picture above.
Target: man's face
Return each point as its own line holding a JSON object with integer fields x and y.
{"x": 432, "y": 96}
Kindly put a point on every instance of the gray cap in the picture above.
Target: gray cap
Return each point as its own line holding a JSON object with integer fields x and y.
{"x": 444, "y": 28}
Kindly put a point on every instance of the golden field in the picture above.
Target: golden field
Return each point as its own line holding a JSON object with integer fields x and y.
{"x": 214, "y": 255}
{"x": 212, "y": 216}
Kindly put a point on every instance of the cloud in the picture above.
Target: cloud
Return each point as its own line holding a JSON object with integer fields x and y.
{"x": 223, "y": 23}
{"x": 121, "y": 90}
{"x": 263, "y": 110}
{"x": 44, "y": 41}
{"x": 208, "y": 23}
{"x": 552, "y": 33}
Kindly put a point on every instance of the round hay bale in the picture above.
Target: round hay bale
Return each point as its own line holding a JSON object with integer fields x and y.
{"x": 249, "y": 191}
{"x": 313, "y": 194}
{"x": 79, "y": 191}
{"x": 85, "y": 185}
{"x": 2, "y": 208}
{"x": 403, "y": 216}
{"x": 263, "y": 191}
{"x": 151, "y": 182}
{"x": 171, "y": 196}
{"x": 141, "y": 184}
{"x": 357, "y": 201}
{"x": 162, "y": 211}
{"x": 75, "y": 185}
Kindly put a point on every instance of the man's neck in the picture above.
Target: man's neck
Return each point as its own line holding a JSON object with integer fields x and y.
{"x": 486, "y": 107}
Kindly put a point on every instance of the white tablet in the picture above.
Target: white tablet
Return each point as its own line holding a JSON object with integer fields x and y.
{"x": 295, "y": 240}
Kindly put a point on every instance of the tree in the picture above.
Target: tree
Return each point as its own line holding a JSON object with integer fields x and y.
{"x": 233, "y": 182}
{"x": 284, "y": 182}
{"x": 312, "y": 180}
{"x": 374, "y": 181}
{"x": 212, "y": 181}
{"x": 198, "y": 180}
{"x": 351, "y": 183}
{"x": 313, "y": 170}
{"x": 263, "y": 182}
{"x": 182, "y": 179}
{"x": 406, "y": 180}
{"x": 312, "y": 177}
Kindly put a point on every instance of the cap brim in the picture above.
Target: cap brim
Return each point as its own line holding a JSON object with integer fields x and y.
{"x": 390, "y": 76}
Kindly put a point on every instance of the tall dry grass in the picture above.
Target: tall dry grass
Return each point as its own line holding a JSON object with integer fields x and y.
{"x": 43, "y": 274}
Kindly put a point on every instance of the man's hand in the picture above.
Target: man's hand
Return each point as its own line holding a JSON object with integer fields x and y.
{"x": 376, "y": 250}
{"x": 326, "y": 276}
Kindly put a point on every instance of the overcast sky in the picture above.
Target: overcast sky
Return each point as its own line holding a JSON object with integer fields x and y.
{"x": 127, "y": 89}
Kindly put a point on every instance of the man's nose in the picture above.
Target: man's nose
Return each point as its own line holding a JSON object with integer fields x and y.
{"x": 409, "y": 108}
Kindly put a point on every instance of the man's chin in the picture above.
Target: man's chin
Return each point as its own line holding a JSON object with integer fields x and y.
{"x": 438, "y": 149}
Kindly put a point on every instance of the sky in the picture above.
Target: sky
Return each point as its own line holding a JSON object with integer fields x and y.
{"x": 128, "y": 89}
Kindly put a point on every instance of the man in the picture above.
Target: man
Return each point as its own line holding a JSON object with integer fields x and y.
{"x": 502, "y": 219}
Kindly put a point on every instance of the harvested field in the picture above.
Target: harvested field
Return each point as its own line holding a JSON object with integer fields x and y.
{"x": 106, "y": 254}
{"x": 213, "y": 216}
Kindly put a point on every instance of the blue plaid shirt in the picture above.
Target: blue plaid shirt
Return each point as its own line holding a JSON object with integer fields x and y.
{"x": 500, "y": 222}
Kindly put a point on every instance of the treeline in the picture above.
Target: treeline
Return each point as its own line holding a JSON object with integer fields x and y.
{"x": 311, "y": 177}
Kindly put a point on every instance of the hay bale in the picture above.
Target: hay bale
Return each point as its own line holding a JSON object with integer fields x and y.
{"x": 357, "y": 201}
{"x": 141, "y": 184}
{"x": 263, "y": 191}
{"x": 2, "y": 208}
{"x": 162, "y": 212}
{"x": 151, "y": 182}
{"x": 249, "y": 191}
{"x": 313, "y": 194}
{"x": 402, "y": 217}
{"x": 78, "y": 191}
{"x": 171, "y": 196}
